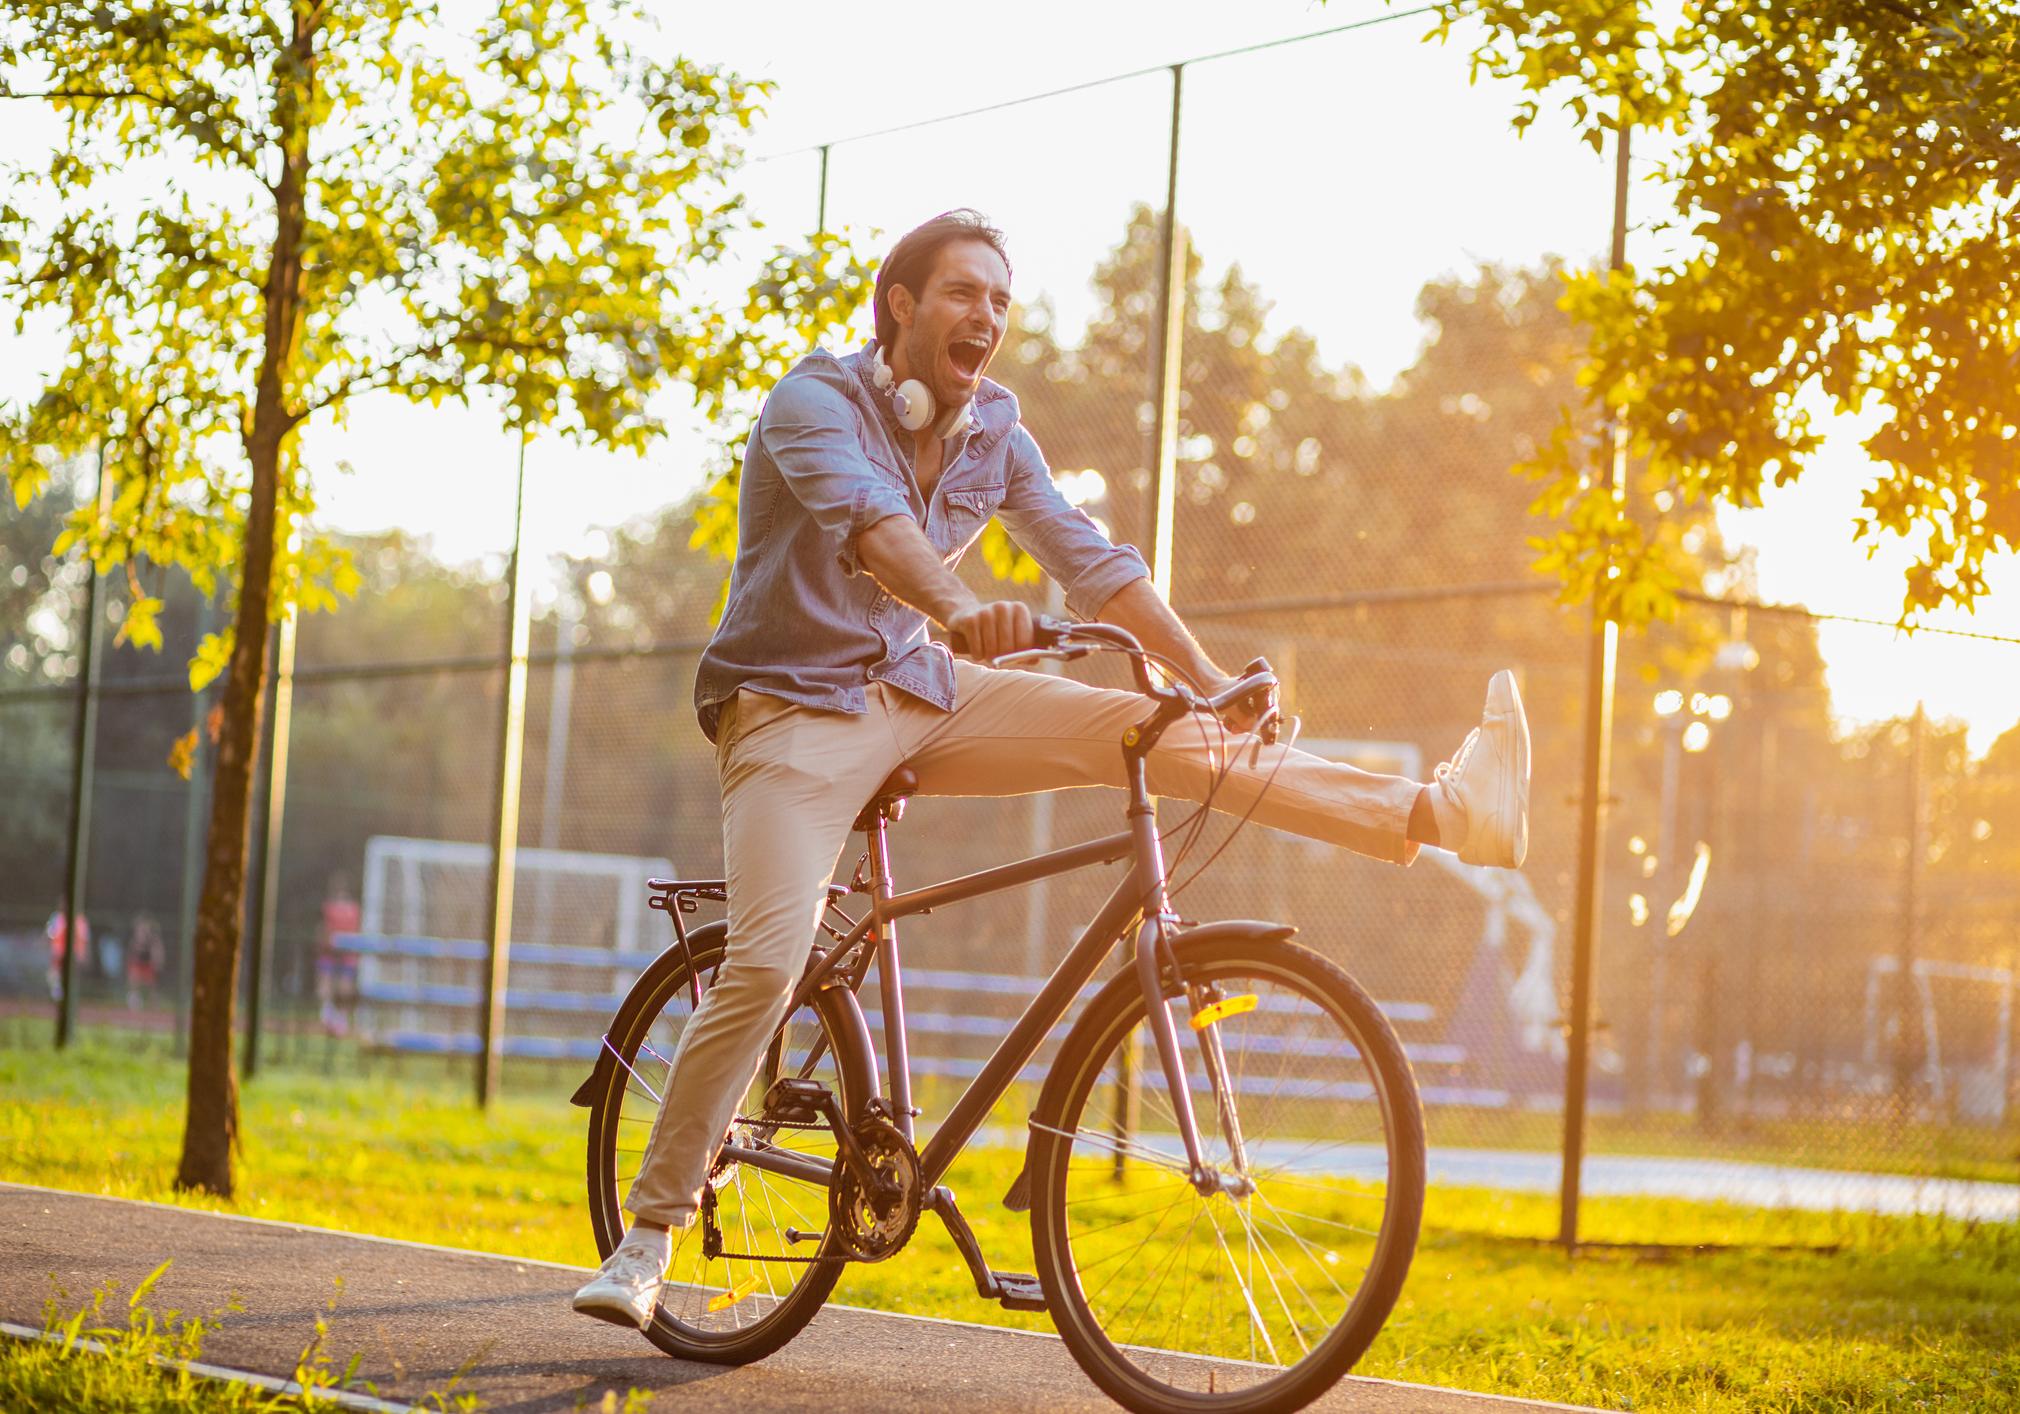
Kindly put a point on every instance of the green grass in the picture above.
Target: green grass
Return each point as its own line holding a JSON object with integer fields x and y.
{"x": 1904, "y": 1314}
{"x": 133, "y": 1360}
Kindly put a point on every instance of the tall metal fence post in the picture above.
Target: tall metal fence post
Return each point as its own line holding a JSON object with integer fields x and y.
{"x": 1161, "y": 502}
{"x": 505, "y": 839}
{"x": 1910, "y": 1061}
{"x": 1596, "y": 783}
{"x": 83, "y": 747}
{"x": 274, "y": 806}
{"x": 821, "y": 209}
{"x": 554, "y": 779}
{"x": 1169, "y": 343}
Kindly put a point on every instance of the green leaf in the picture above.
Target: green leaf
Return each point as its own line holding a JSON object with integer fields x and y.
{"x": 141, "y": 627}
{"x": 213, "y": 656}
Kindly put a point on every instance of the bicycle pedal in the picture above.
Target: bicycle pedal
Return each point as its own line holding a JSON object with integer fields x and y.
{"x": 1016, "y": 1291}
{"x": 792, "y": 1100}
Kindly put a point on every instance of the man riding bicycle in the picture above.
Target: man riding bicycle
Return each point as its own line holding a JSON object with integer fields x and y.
{"x": 866, "y": 478}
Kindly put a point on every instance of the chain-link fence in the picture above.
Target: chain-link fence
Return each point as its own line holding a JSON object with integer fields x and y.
{"x": 1805, "y": 959}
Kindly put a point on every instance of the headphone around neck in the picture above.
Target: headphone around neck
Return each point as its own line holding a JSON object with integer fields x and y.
{"x": 913, "y": 401}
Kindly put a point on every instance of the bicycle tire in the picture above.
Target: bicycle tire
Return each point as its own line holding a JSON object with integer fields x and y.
{"x": 1106, "y": 1024}
{"x": 664, "y": 982}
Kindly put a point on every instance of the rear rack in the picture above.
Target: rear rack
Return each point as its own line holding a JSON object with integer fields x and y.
{"x": 674, "y": 897}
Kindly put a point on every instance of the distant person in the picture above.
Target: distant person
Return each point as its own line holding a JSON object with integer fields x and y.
{"x": 867, "y": 477}
{"x": 336, "y": 970}
{"x": 59, "y": 943}
{"x": 146, "y": 955}
{"x": 111, "y": 957}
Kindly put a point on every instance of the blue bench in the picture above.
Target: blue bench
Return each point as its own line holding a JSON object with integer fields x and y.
{"x": 466, "y": 997}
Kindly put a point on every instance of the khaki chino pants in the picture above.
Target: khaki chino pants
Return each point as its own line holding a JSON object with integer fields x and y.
{"x": 794, "y": 779}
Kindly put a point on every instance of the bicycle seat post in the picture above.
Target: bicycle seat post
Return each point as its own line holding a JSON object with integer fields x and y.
{"x": 889, "y": 805}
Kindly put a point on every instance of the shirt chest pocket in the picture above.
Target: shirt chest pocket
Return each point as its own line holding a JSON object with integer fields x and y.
{"x": 968, "y": 510}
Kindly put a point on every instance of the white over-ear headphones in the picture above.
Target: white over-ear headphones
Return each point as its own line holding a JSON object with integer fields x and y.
{"x": 913, "y": 400}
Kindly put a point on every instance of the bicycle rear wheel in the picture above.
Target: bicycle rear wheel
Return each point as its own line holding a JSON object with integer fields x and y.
{"x": 729, "y": 1308}
{"x": 1260, "y": 1299}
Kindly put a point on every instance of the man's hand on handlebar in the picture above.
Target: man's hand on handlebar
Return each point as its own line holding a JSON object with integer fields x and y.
{"x": 989, "y": 630}
{"x": 1243, "y": 713}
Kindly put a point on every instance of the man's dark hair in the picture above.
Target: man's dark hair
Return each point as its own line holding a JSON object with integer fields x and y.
{"x": 912, "y": 259}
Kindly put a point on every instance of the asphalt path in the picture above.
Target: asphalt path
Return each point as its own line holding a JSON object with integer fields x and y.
{"x": 417, "y": 1315}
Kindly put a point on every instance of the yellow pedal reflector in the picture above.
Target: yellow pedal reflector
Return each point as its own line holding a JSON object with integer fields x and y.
{"x": 733, "y": 1295}
{"x": 1223, "y": 1009}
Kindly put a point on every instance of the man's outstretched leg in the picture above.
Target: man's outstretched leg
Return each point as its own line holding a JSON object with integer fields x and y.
{"x": 1016, "y": 732}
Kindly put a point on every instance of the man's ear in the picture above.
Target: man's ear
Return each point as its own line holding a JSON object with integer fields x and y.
{"x": 903, "y": 306}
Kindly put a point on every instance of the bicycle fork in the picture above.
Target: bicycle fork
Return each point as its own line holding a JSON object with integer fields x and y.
{"x": 1153, "y": 951}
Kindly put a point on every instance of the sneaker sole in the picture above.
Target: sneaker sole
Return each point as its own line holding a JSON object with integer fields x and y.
{"x": 616, "y": 1315}
{"x": 1504, "y": 697}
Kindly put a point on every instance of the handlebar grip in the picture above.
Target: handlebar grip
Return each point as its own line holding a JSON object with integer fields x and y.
{"x": 1046, "y": 632}
{"x": 1264, "y": 702}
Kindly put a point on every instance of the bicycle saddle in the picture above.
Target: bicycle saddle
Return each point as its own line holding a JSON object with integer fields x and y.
{"x": 889, "y": 801}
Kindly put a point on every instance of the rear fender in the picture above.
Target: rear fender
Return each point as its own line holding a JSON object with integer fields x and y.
{"x": 836, "y": 1003}
{"x": 707, "y": 938}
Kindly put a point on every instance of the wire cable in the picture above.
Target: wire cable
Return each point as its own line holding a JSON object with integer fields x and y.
{"x": 1087, "y": 84}
{"x": 1195, "y": 824}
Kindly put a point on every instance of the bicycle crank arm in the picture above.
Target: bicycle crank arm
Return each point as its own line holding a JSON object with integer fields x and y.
{"x": 1014, "y": 1290}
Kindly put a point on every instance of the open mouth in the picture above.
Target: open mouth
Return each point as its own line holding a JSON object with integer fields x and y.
{"x": 968, "y": 355}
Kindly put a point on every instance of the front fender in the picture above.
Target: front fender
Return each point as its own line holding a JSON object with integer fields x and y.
{"x": 1051, "y": 1099}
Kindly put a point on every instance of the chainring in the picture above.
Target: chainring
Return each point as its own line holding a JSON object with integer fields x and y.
{"x": 876, "y": 1228}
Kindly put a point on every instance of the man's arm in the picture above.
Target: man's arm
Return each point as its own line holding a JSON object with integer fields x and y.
{"x": 1140, "y": 609}
{"x": 898, "y": 555}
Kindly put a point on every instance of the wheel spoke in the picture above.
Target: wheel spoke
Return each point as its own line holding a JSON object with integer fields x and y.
{"x": 1256, "y": 1324}
{"x": 1317, "y": 1258}
{"x": 1120, "y": 1146}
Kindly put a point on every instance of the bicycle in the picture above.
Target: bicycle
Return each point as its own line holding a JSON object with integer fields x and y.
{"x": 1244, "y": 1268}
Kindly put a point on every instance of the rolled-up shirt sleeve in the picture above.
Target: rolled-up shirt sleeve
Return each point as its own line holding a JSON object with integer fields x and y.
{"x": 1064, "y": 540}
{"x": 809, "y": 430}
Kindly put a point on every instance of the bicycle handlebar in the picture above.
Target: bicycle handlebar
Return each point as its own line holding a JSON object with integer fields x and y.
{"x": 1257, "y": 687}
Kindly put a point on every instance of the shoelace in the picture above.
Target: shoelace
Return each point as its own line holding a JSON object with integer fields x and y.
{"x": 1458, "y": 762}
{"x": 630, "y": 1264}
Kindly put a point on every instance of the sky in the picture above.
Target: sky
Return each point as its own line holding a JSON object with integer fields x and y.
{"x": 1341, "y": 173}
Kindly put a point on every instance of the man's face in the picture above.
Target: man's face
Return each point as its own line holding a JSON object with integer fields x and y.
{"x": 958, "y": 321}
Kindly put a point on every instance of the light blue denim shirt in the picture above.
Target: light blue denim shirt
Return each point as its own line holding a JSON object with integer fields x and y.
{"x": 827, "y": 461}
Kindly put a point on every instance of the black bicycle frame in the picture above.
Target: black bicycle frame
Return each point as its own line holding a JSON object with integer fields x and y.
{"x": 1138, "y": 899}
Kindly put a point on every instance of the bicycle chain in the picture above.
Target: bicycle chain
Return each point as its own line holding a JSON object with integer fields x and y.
{"x": 708, "y": 1227}
{"x": 843, "y": 1183}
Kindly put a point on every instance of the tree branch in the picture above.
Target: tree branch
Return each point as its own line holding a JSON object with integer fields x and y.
{"x": 222, "y": 142}
{"x": 97, "y": 95}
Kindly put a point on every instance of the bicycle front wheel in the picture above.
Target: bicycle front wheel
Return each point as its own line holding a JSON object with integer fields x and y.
{"x": 1260, "y": 1295}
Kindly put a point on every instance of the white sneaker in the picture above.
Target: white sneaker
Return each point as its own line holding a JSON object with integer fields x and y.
{"x": 625, "y": 1289}
{"x": 1481, "y": 796}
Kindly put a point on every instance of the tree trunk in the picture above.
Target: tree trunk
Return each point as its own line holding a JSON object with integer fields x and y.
{"x": 210, "y": 1129}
